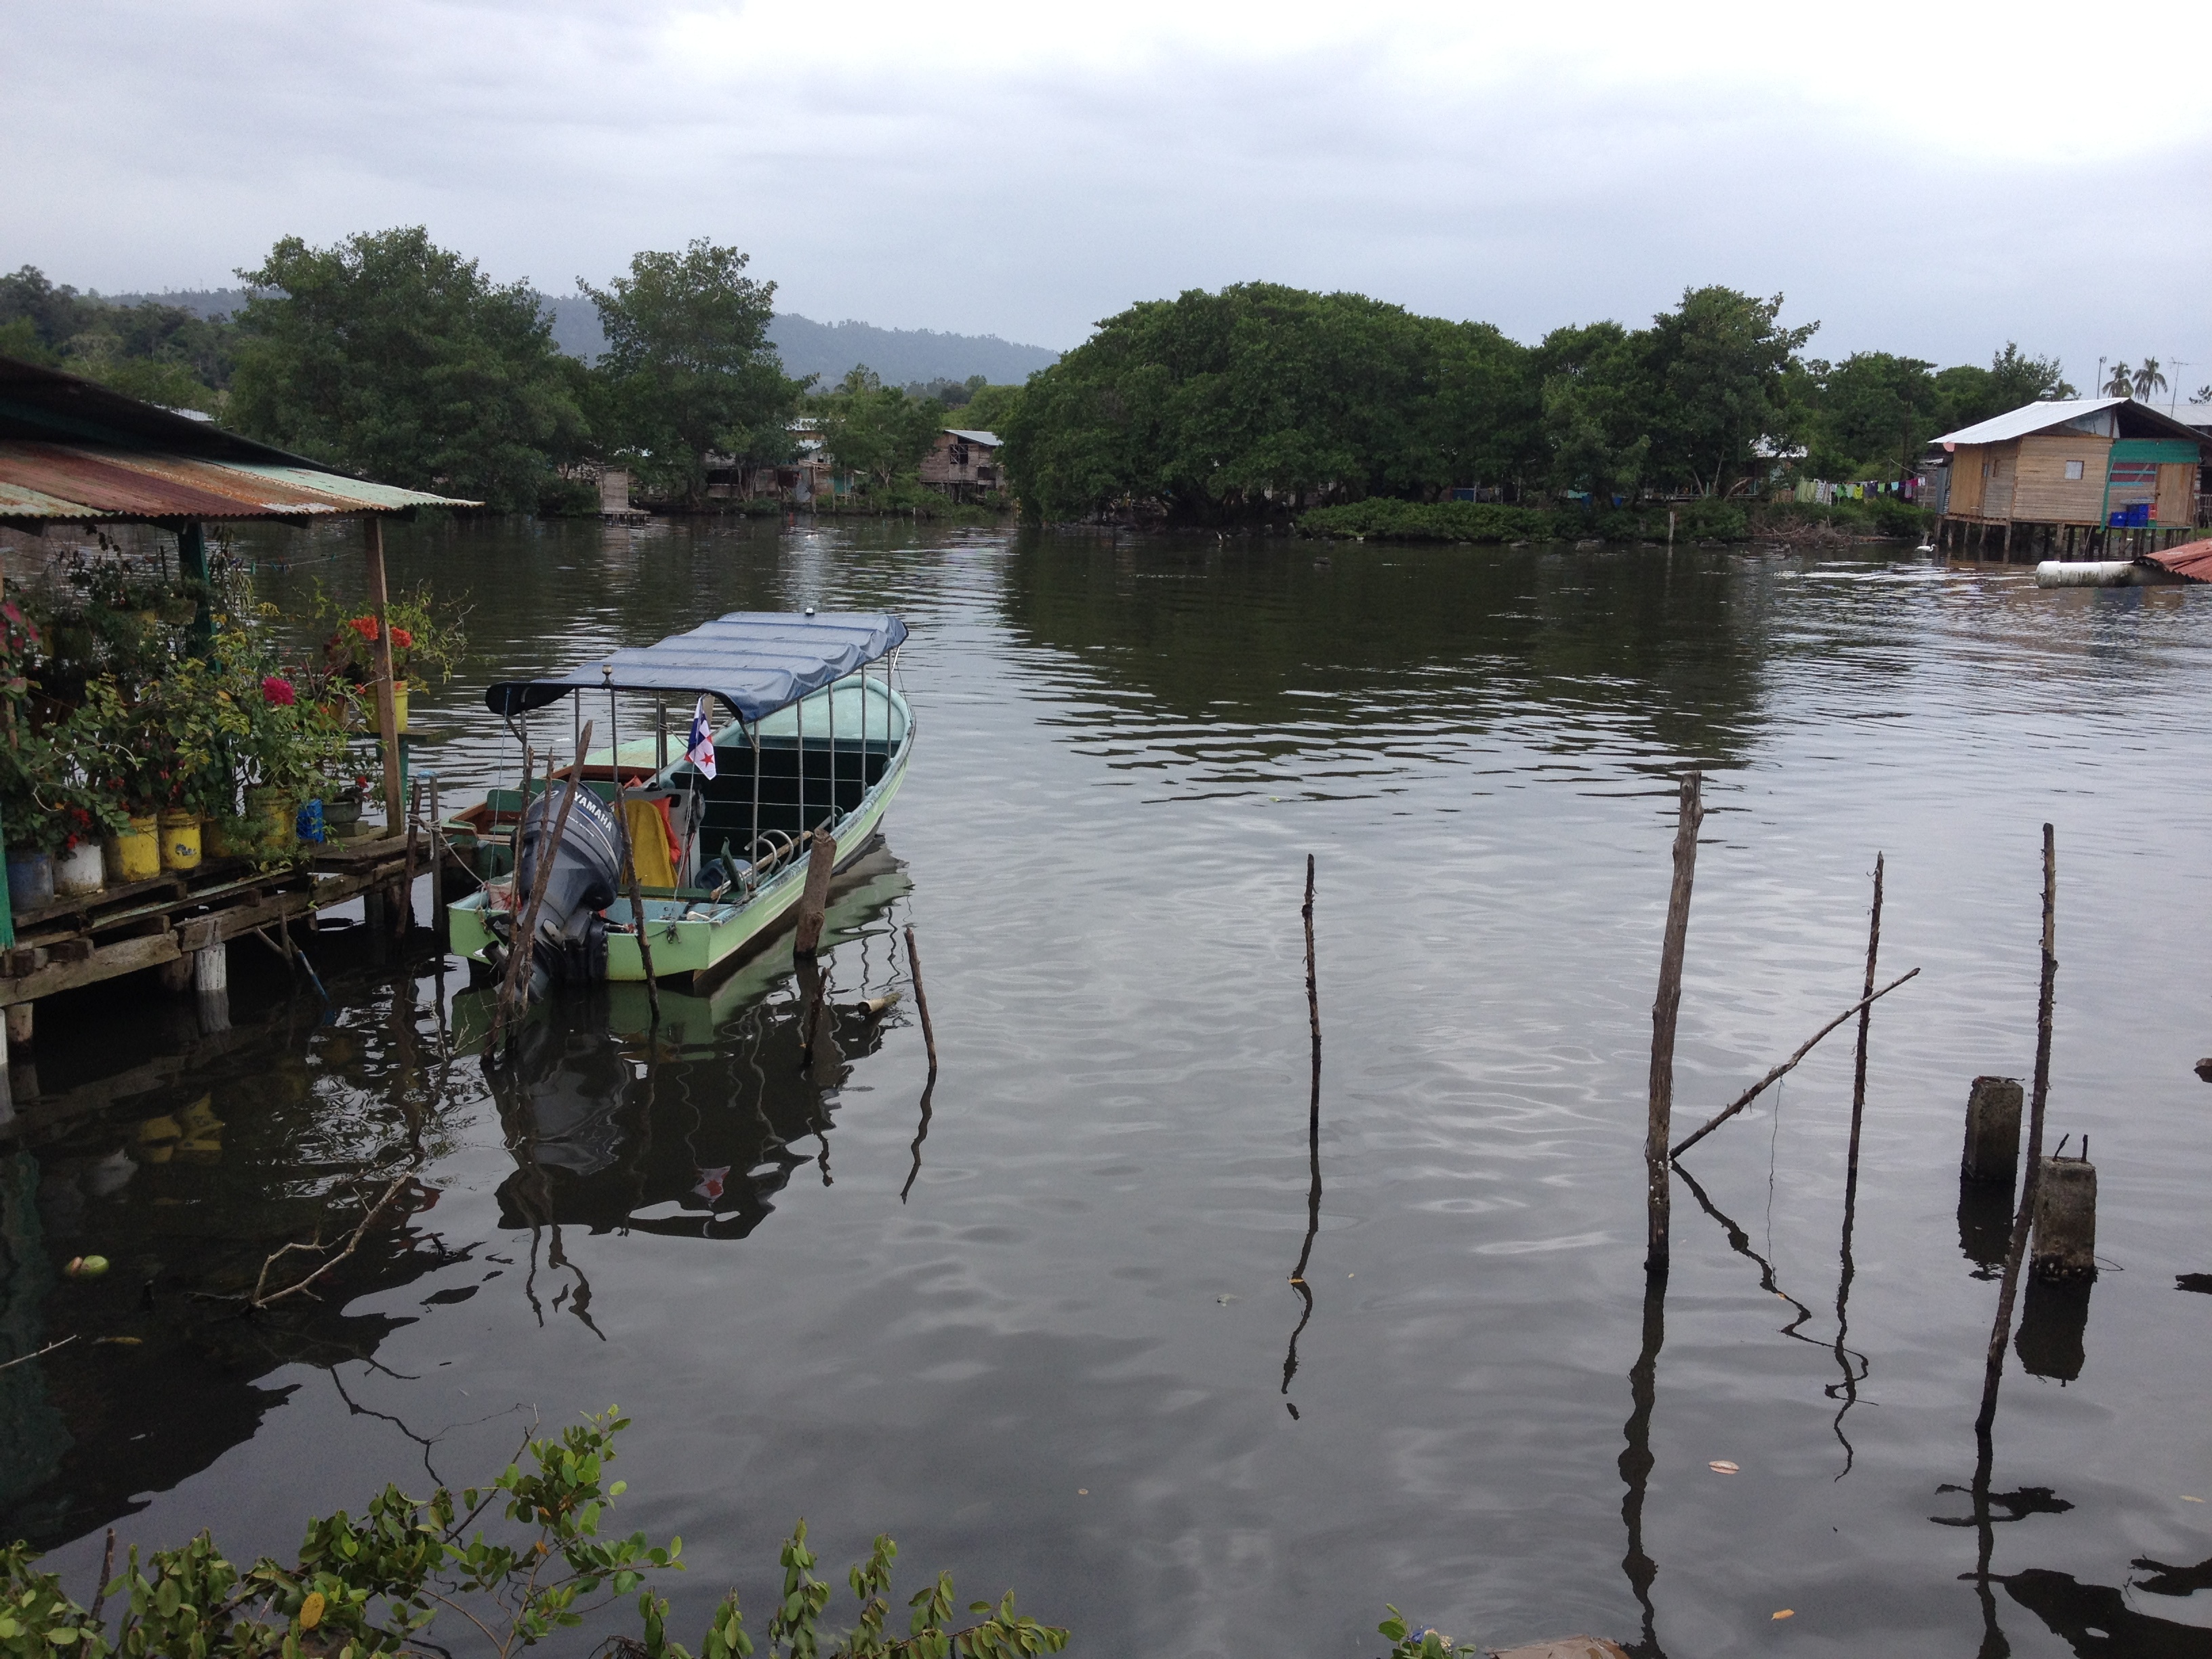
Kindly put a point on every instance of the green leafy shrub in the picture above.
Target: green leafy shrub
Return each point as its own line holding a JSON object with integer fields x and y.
{"x": 374, "y": 1586}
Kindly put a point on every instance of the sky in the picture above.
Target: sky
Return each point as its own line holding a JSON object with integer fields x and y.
{"x": 1934, "y": 181}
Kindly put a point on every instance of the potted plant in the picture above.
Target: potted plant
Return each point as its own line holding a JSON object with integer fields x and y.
{"x": 425, "y": 638}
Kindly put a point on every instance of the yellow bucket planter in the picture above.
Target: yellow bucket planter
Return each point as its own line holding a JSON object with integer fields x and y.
{"x": 180, "y": 841}
{"x": 134, "y": 855}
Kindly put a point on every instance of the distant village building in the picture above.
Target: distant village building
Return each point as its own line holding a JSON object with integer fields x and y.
{"x": 2068, "y": 480}
{"x": 964, "y": 462}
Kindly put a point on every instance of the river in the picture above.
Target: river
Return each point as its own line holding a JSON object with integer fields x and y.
{"x": 1052, "y": 1343}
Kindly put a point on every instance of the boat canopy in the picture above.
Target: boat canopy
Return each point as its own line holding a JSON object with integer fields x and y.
{"x": 756, "y": 661}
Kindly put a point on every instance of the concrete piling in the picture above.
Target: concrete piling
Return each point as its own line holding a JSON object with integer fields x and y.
{"x": 1993, "y": 1109}
{"x": 2065, "y": 1220}
{"x": 211, "y": 980}
{"x": 18, "y": 1025}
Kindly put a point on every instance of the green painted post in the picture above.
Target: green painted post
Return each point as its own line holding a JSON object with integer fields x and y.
{"x": 192, "y": 566}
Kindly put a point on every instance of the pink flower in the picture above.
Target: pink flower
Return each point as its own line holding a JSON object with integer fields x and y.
{"x": 278, "y": 690}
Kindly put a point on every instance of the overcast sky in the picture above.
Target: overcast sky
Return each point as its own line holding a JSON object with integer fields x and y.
{"x": 1933, "y": 179}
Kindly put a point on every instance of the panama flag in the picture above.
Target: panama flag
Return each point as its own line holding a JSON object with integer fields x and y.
{"x": 701, "y": 753}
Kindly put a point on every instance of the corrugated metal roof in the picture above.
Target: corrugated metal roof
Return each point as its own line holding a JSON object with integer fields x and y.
{"x": 2033, "y": 417}
{"x": 87, "y": 482}
{"x": 73, "y": 450}
{"x": 988, "y": 439}
{"x": 2192, "y": 560}
{"x": 2135, "y": 420}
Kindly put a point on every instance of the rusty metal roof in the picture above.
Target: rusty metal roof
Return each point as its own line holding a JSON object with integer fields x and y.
{"x": 2192, "y": 560}
{"x": 73, "y": 450}
{"x": 86, "y": 483}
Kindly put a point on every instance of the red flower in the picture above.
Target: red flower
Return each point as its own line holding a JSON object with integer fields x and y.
{"x": 278, "y": 690}
{"x": 364, "y": 626}
{"x": 401, "y": 639}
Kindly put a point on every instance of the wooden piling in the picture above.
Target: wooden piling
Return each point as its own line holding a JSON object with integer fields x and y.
{"x": 387, "y": 709}
{"x": 522, "y": 932}
{"x": 1993, "y": 1369}
{"x": 1690, "y": 813}
{"x": 403, "y": 916}
{"x": 1859, "y": 1068}
{"x": 2065, "y": 1233}
{"x": 814, "y": 900}
{"x": 440, "y": 925}
{"x": 21, "y": 1028}
{"x": 1992, "y": 1153}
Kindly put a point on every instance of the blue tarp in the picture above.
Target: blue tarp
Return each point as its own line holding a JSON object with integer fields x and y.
{"x": 756, "y": 661}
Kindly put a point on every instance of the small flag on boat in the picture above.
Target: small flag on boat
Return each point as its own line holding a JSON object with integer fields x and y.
{"x": 700, "y": 752}
{"x": 713, "y": 1184}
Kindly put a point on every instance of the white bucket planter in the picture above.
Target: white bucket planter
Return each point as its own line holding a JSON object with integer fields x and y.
{"x": 79, "y": 872}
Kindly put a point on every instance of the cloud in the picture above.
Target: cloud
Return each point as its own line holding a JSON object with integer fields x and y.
{"x": 1934, "y": 180}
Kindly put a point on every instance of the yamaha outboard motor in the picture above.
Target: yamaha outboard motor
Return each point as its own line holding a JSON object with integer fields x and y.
{"x": 571, "y": 946}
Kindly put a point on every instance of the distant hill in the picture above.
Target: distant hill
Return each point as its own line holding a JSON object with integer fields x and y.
{"x": 900, "y": 356}
{"x": 209, "y": 303}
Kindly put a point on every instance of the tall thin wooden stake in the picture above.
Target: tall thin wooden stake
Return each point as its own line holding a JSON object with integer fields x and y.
{"x": 921, "y": 1001}
{"x": 1313, "y": 992}
{"x": 387, "y": 709}
{"x": 1858, "y": 1076}
{"x": 1657, "y": 1196}
{"x": 403, "y": 912}
{"x": 2018, "y": 1250}
{"x": 439, "y": 923}
{"x": 522, "y": 935}
{"x": 637, "y": 898}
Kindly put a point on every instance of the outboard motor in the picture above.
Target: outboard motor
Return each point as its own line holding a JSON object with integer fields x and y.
{"x": 571, "y": 946}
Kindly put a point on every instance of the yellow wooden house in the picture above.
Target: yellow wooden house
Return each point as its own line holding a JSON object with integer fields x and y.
{"x": 2083, "y": 478}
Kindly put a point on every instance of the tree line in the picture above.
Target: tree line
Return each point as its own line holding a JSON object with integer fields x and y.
{"x": 388, "y": 356}
{"x": 1264, "y": 399}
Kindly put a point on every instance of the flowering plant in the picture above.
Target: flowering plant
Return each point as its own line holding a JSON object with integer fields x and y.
{"x": 426, "y": 638}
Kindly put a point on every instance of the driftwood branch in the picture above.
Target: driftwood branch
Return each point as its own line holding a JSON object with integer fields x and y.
{"x": 264, "y": 1297}
{"x": 25, "y": 1359}
{"x": 1760, "y": 1087}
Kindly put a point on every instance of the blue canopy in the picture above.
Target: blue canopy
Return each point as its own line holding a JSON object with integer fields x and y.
{"x": 756, "y": 661}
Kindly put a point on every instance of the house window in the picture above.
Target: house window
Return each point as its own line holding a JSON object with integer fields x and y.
{"x": 2073, "y": 468}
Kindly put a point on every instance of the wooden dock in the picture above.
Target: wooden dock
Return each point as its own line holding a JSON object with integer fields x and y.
{"x": 174, "y": 920}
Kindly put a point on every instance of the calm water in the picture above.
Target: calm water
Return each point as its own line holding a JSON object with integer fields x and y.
{"x": 1052, "y": 1343}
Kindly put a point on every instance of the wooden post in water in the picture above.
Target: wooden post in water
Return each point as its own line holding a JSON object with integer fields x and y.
{"x": 1858, "y": 1074}
{"x": 1993, "y": 1370}
{"x": 522, "y": 932}
{"x": 440, "y": 925}
{"x": 814, "y": 900}
{"x": 1657, "y": 1196}
{"x": 403, "y": 912}
{"x": 921, "y": 1001}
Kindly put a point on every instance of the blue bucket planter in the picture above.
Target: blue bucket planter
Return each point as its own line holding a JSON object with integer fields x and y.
{"x": 30, "y": 882}
{"x": 308, "y": 826}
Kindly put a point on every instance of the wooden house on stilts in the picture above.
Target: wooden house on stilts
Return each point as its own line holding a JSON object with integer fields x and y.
{"x": 2086, "y": 478}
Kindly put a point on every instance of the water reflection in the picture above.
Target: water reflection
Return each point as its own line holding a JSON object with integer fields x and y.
{"x": 692, "y": 1125}
{"x": 1290, "y": 653}
{"x": 2053, "y": 1328}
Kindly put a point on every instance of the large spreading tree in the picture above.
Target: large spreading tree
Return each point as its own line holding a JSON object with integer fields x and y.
{"x": 388, "y": 356}
{"x": 688, "y": 371}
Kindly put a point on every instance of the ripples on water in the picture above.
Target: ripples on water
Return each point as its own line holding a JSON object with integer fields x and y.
{"x": 1125, "y": 751}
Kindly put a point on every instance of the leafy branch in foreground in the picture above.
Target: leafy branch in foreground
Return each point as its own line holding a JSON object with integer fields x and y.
{"x": 374, "y": 1586}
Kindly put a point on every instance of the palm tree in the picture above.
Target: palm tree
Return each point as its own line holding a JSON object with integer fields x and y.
{"x": 2123, "y": 383}
{"x": 2148, "y": 380}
